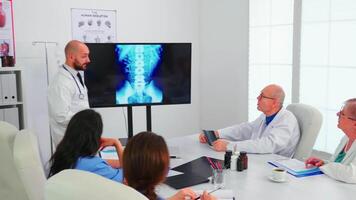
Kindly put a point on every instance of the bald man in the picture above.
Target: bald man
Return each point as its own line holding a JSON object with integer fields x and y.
{"x": 276, "y": 130}
{"x": 67, "y": 93}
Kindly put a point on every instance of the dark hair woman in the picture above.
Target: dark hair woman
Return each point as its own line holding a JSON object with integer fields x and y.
{"x": 146, "y": 164}
{"x": 80, "y": 144}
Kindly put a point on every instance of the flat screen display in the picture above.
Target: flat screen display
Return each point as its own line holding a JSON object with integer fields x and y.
{"x": 133, "y": 74}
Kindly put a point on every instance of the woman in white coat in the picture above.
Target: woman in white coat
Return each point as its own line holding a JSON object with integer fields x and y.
{"x": 342, "y": 165}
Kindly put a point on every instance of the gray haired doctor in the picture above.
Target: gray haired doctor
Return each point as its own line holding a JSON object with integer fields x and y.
{"x": 67, "y": 93}
{"x": 275, "y": 131}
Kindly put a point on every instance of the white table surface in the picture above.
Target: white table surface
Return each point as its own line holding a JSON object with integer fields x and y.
{"x": 253, "y": 183}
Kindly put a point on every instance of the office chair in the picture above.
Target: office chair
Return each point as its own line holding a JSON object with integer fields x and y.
{"x": 28, "y": 164}
{"x": 11, "y": 186}
{"x": 309, "y": 120}
{"x": 72, "y": 184}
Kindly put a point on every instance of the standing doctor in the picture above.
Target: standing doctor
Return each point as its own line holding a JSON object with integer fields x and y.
{"x": 67, "y": 93}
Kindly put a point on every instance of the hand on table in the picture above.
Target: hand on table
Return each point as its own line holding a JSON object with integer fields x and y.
{"x": 220, "y": 145}
{"x": 184, "y": 194}
{"x": 313, "y": 162}
{"x": 207, "y": 196}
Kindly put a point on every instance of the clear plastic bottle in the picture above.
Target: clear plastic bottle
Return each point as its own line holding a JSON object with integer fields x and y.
{"x": 233, "y": 165}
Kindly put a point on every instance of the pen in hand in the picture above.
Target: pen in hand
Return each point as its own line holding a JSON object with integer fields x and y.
{"x": 177, "y": 157}
{"x": 208, "y": 193}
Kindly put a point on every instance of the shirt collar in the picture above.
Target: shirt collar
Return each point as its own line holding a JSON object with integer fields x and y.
{"x": 270, "y": 118}
{"x": 71, "y": 70}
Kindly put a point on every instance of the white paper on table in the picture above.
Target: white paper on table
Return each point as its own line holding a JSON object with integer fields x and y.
{"x": 173, "y": 173}
{"x": 109, "y": 153}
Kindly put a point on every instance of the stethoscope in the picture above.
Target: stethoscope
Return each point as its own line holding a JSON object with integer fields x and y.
{"x": 81, "y": 95}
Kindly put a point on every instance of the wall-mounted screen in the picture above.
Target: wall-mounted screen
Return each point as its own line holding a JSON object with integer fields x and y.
{"x": 122, "y": 74}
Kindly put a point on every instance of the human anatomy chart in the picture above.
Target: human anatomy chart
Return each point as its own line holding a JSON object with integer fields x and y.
{"x": 94, "y": 26}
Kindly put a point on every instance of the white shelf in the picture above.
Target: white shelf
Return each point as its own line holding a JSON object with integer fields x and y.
{"x": 10, "y": 69}
{"x": 13, "y": 111}
{"x": 11, "y": 104}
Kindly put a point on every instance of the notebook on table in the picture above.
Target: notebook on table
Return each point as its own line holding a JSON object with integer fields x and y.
{"x": 185, "y": 180}
{"x": 194, "y": 172}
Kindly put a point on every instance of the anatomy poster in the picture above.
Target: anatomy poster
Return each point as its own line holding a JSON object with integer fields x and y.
{"x": 94, "y": 26}
{"x": 6, "y": 29}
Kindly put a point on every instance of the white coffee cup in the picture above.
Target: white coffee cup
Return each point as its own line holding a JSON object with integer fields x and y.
{"x": 278, "y": 174}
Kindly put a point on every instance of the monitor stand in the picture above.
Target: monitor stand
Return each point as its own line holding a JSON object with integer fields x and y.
{"x": 130, "y": 121}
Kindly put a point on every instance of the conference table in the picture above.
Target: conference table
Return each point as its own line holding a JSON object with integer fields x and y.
{"x": 254, "y": 183}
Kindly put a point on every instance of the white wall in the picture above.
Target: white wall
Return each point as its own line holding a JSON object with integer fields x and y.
{"x": 137, "y": 21}
{"x": 223, "y": 62}
{"x": 217, "y": 29}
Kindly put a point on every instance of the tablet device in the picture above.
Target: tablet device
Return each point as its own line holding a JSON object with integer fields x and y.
{"x": 210, "y": 136}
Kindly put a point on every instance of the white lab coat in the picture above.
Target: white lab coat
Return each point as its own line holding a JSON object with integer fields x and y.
{"x": 346, "y": 170}
{"x": 64, "y": 100}
{"x": 280, "y": 136}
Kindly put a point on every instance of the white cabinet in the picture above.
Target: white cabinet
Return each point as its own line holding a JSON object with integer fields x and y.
{"x": 11, "y": 97}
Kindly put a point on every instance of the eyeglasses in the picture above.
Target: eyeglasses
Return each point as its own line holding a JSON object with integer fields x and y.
{"x": 263, "y": 96}
{"x": 342, "y": 114}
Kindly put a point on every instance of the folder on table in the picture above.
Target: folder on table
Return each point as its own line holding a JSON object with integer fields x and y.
{"x": 194, "y": 172}
{"x": 185, "y": 180}
{"x": 295, "y": 167}
{"x": 200, "y": 167}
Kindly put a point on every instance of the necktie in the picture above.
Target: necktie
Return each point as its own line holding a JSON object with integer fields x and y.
{"x": 80, "y": 79}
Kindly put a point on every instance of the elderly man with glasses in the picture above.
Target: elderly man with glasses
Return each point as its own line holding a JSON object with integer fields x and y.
{"x": 276, "y": 130}
{"x": 342, "y": 165}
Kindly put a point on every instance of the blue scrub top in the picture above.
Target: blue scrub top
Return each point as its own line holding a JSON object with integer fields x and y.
{"x": 99, "y": 166}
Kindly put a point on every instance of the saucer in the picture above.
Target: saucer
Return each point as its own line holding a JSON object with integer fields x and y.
{"x": 277, "y": 180}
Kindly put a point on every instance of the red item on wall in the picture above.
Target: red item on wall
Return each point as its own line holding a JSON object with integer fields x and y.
{"x": 2, "y": 16}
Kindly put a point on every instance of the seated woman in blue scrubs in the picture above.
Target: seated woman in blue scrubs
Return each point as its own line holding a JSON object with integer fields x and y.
{"x": 80, "y": 145}
{"x": 146, "y": 164}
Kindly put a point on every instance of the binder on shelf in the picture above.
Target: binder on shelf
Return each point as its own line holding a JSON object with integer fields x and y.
{"x": 12, "y": 88}
{"x": 9, "y": 88}
{"x": 2, "y": 115}
{"x": 295, "y": 167}
{"x": 11, "y": 115}
{"x": 1, "y": 86}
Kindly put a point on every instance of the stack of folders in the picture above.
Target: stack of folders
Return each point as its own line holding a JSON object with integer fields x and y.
{"x": 295, "y": 167}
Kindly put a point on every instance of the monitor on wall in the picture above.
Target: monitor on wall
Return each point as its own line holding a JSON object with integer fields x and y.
{"x": 136, "y": 74}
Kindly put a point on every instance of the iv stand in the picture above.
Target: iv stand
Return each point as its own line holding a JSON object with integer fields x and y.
{"x": 45, "y": 43}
